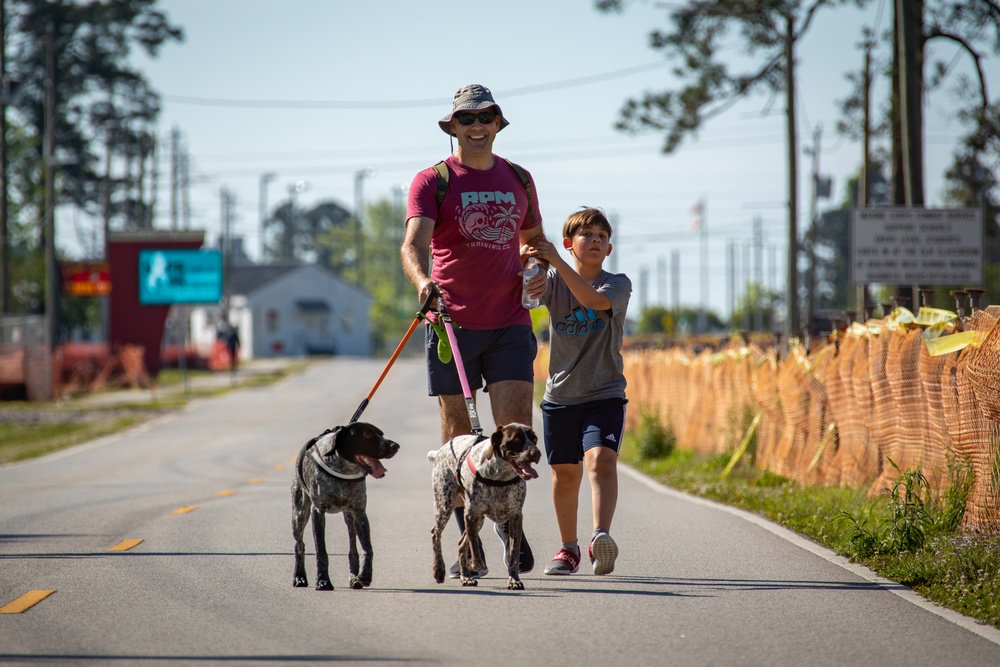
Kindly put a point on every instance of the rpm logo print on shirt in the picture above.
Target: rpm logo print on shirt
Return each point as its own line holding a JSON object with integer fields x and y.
{"x": 489, "y": 219}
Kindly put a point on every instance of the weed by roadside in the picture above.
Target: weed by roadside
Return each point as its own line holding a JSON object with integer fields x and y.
{"x": 917, "y": 534}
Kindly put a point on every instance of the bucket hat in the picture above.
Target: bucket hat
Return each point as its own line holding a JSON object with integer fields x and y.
{"x": 472, "y": 97}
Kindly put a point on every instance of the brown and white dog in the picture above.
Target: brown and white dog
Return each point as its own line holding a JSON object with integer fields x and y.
{"x": 330, "y": 474}
{"x": 491, "y": 474}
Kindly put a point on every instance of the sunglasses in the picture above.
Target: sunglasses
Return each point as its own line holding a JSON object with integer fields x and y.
{"x": 468, "y": 118}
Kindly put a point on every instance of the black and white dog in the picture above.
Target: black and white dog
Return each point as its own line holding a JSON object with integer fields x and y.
{"x": 491, "y": 474}
{"x": 330, "y": 476}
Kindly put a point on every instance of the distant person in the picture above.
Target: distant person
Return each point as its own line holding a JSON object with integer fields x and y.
{"x": 233, "y": 345}
{"x": 583, "y": 410}
{"x": 474, "y": 234}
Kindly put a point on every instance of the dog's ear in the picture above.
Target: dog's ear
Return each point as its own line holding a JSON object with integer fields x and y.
{"x": 531, "y": 435}
{"x": 495, "y": 441}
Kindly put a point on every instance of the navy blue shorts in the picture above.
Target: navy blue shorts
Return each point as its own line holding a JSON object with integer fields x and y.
{"x": 491, "y": 356}
{"x": 570, "y": 430}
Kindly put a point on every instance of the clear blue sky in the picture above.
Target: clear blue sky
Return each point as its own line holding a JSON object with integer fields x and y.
{"x": 560, "y": 71}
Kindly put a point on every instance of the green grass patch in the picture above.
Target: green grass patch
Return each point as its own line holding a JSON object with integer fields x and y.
{"x": 19, "y": 442}
{"x": 916, "y": 533}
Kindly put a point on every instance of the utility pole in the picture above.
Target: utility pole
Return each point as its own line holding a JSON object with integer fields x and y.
{"x": 792, "y": 320}
{"x": 5, "y": 305}
{"x": 758, "y": 249}
{"x": 175, "y": 177}
{"x": 864, "y": 187}
{"x": 262, "y": 196}
{"x": 359, "y": 204}
{"x": 811, "y": 296}
{"x": 49, "y": 149}
{"x": 228, "y": 200}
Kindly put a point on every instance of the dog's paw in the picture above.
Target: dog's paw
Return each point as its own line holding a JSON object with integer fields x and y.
{"x": 300, "y": 582}
{"x": 439, "y": 573}
{"x": 514, "y": 585}
{"x": 357, "y": 583}
{"x": 469, "y": 582}
{"x": 324, "y": 585}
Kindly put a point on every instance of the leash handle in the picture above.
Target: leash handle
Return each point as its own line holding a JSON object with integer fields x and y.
{"x": 470, "y": 403}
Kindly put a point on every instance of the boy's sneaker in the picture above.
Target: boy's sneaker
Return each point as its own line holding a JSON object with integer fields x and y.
{"x": 526, "y": 561}
{"x": 564, "y": 562}
{"x": 603, "y": 552}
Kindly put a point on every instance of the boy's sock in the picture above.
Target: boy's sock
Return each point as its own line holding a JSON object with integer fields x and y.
{"x": 573, "y": 546}
{"x": 460, "y": 518}
{"x": 597, "y": 532}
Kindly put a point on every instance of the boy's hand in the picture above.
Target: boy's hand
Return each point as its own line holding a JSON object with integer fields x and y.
{"x": 541, "y": 249}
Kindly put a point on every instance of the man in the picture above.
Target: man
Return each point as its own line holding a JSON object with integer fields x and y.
{"x": 474, "y": 235}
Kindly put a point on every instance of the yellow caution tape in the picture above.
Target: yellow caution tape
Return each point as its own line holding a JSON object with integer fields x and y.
{"x": 929, "y": 316}
{"x": 941, "y": 345}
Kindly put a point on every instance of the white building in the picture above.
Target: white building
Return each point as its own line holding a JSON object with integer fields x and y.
{"x": 289, "y": 309}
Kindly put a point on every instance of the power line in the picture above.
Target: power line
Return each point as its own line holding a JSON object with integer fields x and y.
{"x": 403, "y": 104}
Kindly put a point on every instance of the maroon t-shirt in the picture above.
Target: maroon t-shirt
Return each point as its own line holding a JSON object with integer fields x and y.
{"x": 476, "y": 247}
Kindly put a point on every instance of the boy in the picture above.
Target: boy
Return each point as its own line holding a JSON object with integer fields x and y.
{"x": 584, "y": 405}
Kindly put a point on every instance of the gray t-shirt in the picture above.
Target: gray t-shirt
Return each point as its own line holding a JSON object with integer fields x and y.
{"x": 585, "y": 360}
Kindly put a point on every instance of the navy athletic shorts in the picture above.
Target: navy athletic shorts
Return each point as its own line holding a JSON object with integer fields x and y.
{"x": 491, "y": 356}
{"x": 570, "y": 430}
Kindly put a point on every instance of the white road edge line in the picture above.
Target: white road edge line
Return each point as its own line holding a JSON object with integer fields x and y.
{"x": 987, "y": 632}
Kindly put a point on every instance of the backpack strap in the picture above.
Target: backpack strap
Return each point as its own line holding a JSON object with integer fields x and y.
{"x": 528, "y": 190}
{"x": 442, "y": 172}
{"x": 442, "y": 185}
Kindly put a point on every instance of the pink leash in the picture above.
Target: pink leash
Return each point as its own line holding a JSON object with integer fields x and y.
{"x": 470, "y": 403}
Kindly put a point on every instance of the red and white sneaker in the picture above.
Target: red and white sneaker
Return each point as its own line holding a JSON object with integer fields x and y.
{"x": 603, "y": 552}
{"x": 564, "y": 562}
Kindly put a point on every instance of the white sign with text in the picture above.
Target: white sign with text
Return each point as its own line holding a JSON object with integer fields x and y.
{"x": 917, "y": 246}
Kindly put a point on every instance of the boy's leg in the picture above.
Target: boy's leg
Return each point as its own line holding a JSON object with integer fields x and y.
{"x": 602, "y": 467}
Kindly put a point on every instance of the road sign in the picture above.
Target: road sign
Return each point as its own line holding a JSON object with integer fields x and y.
{"x": 179, "y": 276}
{"x": 86, "y": 278}
{"x": 917, "y": 246}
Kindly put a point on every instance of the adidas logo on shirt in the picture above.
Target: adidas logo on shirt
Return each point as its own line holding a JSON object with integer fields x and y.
{"x": 611, "y": 437}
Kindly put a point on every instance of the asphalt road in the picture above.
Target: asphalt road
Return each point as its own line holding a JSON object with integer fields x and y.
{"x": 206, "y": 490}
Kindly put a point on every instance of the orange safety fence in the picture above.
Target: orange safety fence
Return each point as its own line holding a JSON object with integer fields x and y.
{"x": 923, "y": 391}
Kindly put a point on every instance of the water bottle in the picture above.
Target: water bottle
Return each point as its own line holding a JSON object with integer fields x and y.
{"x": 531, "y": 269}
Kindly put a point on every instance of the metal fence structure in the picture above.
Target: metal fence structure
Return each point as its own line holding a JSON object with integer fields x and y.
{"x": 834, "y": 415}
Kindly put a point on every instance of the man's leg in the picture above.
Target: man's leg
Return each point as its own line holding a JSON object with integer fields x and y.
{"x": 455, "y": 422}
{"x": 511, "y": 402}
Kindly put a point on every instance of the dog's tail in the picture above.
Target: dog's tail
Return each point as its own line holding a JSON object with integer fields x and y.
{"x": 432, "y": 455}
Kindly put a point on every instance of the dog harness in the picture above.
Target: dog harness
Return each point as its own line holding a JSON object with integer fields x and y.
{"x": 472, "y": 467}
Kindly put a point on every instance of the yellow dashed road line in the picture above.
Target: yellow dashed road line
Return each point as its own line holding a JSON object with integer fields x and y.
{"x": 25, "y": 602}
{"x": 185, "y": 510}
{"x": 279, "y": 467}
{"x": 255, "y": 480}
{"x": 227, "y": 492}
{"x": 125, "y": 545}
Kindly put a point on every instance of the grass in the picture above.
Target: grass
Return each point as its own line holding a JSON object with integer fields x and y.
{"x": 19, "y": 442}
{"x": 45, "y": 428}
{"x": 905, "y": 535}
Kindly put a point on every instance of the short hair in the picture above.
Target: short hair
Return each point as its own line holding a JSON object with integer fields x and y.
{"x": 586, "y": 217}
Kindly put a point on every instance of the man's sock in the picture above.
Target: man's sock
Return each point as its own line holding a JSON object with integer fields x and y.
{"x": 460, "y": 518}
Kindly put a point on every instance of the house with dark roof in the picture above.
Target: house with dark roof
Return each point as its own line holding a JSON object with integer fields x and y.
{"x": 288, "y": 309}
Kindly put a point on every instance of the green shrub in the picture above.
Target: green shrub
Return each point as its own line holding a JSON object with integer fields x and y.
{"x": 653, "y": 440}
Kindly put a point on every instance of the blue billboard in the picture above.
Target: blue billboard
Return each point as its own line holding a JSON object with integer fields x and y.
{"x": 179, "y": 276}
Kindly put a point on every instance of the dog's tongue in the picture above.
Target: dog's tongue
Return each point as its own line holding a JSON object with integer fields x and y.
{"x": 525, "y": 470}
{"x": 378, "y": 470}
